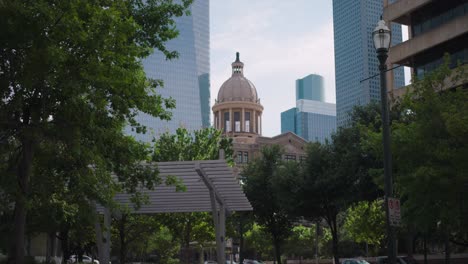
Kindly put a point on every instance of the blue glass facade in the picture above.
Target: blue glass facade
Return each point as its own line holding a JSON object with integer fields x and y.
{"x": 288, "y": 120}
{"x": 186, "y": 79}
{"x": 355, "y": 57}
{"x": 314, "y": 126}
{"x": 312, "y": 119}
{"x": 310, "y": 88}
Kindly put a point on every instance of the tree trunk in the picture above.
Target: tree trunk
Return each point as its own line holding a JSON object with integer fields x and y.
{"x": 241, "y": 241}
{"x": 277, "y": 244}
{"x": 23, "y": 175}
{"x": 317, "y": 230}
{"x": 64, "y": 244}
{"x": 447, "y": 249}
{"x": 188, "y": 231}
{"x": 123, "y": 241}
{"x": 50, "y": 246}
{"x": 425, "y": 248}
{"x": 409, "y": 246}
{"x": 334, "y": 231}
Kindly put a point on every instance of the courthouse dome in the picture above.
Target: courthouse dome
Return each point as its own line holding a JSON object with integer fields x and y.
{"x": 237, "y": 88}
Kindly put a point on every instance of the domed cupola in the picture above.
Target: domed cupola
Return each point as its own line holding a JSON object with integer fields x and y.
{"x": 237, "y": 110}
{"x": 237, "y": 88}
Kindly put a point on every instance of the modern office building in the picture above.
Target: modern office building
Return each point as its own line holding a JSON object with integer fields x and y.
{"x": 435, "y": 27}
{"x": 355, "y": 57}
{"x": 310, "y": 88}
{"x": 238, "y": 113}
{"x": 312, "y": 119}
{"x": 186, "y": 79}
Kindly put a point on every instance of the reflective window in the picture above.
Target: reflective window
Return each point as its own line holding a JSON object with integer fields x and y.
{"x": 247, "y": 121}
{"x": 237, "y": 121}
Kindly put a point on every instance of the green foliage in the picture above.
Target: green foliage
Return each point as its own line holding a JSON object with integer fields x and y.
{"x": 71, "y": 79}
{"x": 301, "y": 242}
{"x": 260, "y": 177}
{"x": 164, "y": 243}
{"x": 173, "y": 228}
{"x": 430, "y": 146}
{"x": 365, "y": 222}
{"x": 337, "y": 174}
{"x": 258, "y": 239}
{"x": 139, "y": 235}
{"x": 203, "y": 144}
{"x": 429, "y": 150}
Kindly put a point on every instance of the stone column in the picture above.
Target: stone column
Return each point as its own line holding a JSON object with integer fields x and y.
{"x": 254, "y": 121}
{"x": 260, "y": 125}
{"x": 230, "y": 119}
{"x": 242, "y": 120}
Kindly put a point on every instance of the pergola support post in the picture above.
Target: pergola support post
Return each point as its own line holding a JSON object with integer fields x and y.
{"x": 220, "y": 236}
{"x": 103, "y": 237}
{"x": 219, "y": 216}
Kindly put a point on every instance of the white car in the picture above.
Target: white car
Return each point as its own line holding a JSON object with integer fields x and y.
{"x": 86, "y": 259}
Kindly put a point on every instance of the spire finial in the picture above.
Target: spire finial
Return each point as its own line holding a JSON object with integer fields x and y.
{"x": 237, "y": 57}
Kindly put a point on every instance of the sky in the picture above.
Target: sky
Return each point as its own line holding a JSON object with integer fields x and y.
{"x": 279, "y": 42}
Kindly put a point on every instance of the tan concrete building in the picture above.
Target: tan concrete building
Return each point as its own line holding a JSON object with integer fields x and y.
{"x": 435, "y": 27}
{"x": 238, "y": 113}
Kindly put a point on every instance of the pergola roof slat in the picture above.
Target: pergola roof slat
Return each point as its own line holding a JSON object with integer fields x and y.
{"x": 196, "y": 198}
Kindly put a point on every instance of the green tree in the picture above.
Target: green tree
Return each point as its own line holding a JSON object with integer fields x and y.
{"x": 258, "y": 243}
{"x": 429, "y": 149}
{"x": 430, "y": 146}
{"x": 335, "y": 176}
{"x": 301, "y": 242}
{"x": 259, "y": 178}
{"x": 204, "y": 144}
{"x": 71, "y": 76}
{"x": 132, "y": 233}
{"x": 238, "y": 223}
{"x": 365, "y": 223}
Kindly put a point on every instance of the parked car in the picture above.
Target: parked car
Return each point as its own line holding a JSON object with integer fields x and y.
{"x": 251, "y": 261}
{"x": 354, "y": 261}
{"x": 86, "y": 259}
{"x": 214, "y": 262}
{"x": 384, "y": 260}
{"x": 409, "y": 260}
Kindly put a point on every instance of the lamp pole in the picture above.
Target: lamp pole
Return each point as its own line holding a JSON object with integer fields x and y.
{"x": 381, "y": 37}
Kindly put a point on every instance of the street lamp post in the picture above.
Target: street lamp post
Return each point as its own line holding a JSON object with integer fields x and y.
{"x": 382, "y": 37}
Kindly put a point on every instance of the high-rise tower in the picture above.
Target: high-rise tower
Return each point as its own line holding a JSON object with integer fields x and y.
{"x": 312, "y": 119}
{"x": 186, "y": 79}
{"x": 355, "y": 57}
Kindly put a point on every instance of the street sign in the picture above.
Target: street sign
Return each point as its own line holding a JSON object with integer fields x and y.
{"x": 394, "y": 211}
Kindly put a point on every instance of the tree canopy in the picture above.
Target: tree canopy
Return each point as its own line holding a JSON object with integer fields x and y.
{"x": 71, "y": 78}
{"x": 430, "y": 146}
{"x": 259, "y": 179}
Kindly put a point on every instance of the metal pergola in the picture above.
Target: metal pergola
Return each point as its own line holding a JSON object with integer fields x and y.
{"x": 210, "y": 187}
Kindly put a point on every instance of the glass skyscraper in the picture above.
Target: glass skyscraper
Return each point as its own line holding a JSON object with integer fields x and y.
{"x": 312, "y": 119}
{"x": 310, "y": 88}
{"x": 186, "y": 79}
{"x": 355, "y": 56}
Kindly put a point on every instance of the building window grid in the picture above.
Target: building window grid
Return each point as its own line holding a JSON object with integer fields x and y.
{"x": 242, "y": 157}
{"x": 290, "y": 157}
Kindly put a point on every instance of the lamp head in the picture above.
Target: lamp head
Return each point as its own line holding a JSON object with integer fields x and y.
{"x": 381, "y": 36}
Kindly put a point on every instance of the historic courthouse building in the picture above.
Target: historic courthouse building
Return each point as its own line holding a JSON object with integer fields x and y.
{"x": 238, "y": 113}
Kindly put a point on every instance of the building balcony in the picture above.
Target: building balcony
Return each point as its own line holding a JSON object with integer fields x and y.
{"x": 404, "y": 52}
{"x": 400, "y": 11}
